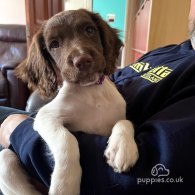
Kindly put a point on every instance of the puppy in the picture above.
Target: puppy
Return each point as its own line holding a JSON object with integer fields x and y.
{"x": 77, "y": 50}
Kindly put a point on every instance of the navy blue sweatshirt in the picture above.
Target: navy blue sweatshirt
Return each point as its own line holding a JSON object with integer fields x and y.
{"x": 160, "y": 93}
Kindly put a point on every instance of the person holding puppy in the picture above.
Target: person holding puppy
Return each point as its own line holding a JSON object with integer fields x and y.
{"x": 160, "y": 93}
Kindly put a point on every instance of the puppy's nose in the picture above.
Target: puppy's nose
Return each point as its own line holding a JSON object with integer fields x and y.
{"x": 82, "y": 62}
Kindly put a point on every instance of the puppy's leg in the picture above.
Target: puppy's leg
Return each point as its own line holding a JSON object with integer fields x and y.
{"x": 66, "y": 176}
{"x": 13, "y": 179}
{"x": 122, "y": 152}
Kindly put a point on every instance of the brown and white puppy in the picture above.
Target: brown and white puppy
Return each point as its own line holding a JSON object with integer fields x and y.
{"x": 75, "y": 49}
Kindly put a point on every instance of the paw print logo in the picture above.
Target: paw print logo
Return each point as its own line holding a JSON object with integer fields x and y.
{"x": 160, "y": 170}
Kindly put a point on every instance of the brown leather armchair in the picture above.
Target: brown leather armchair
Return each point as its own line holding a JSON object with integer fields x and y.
{"x": 13, "y": 49}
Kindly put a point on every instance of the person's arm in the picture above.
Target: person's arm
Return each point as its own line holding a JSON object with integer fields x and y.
{"x": 18, "y": 134}
{"x": 167, "y": 138}
{"x": 8, "y": 126}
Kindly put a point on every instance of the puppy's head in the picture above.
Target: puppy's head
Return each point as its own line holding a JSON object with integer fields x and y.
{"x": 77, "y": 46}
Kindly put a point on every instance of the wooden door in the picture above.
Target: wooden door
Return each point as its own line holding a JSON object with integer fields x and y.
{"x": 37, "y": 11}
{"x": 128, "y": 52}
{"x": 141, "y": 30}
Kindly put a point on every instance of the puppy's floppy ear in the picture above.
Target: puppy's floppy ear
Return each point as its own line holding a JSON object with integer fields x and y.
{"x": 37, "y": 70}
{"x": 110, "y": 42}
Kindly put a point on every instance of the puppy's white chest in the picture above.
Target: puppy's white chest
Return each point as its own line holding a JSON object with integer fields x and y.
{"x": 98, "y": 117}
{"x": 96, "y": 110}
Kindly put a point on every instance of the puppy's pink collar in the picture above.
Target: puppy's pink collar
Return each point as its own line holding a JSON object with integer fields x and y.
{"x": 101, "y": 80}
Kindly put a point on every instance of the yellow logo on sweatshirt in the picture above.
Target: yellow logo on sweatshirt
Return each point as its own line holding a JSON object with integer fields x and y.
{"x": 153, "y": 75}
{"x": 140, "y": 66}
{"x": 157, "y": 74}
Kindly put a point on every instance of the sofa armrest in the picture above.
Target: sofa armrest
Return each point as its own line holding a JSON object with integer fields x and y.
{"x": 10, "y": 65}
{"x": 17, "y": 90}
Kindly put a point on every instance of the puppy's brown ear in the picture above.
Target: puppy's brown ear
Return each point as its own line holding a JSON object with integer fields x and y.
{"x": 110, "y": 41}
{"x": 37, "y": 70}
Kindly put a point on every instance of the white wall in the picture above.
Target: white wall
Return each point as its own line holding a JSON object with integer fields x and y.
{"x": 12, "y": 12}
{"x": 77, "y": 4}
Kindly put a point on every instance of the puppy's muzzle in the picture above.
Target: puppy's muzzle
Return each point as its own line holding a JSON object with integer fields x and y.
{"x": 83, "y": 62}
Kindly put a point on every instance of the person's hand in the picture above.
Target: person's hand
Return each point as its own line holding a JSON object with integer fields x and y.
{"x": 8, "y": 126}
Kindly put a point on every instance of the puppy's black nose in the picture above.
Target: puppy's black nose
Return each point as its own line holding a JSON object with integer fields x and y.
{"x": 82, "y": 62}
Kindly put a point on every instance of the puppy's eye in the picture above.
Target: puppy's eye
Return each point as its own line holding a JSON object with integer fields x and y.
{"x": 54, "y": 44}
{"x": 90, "y": 30}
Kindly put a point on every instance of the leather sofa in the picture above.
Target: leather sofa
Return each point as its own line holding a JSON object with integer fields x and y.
{"x": 13, "y": 49}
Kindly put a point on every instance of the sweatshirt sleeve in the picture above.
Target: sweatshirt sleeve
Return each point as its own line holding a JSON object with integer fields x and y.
{"x": 32, "y": 151}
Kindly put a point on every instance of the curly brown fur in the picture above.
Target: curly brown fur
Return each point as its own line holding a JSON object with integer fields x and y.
{"x": 37, "y": 69}
{"x": 63, "y": 42}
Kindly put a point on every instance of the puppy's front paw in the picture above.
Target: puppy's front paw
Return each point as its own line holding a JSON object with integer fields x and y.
{"x": 121, "y": 153}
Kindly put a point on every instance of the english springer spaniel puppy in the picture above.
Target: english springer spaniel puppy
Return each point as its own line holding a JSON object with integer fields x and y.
{"x": 75, "y": 50}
